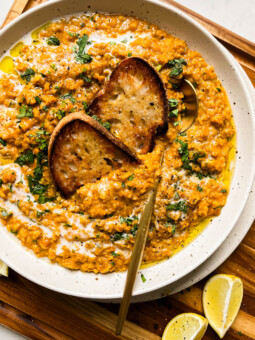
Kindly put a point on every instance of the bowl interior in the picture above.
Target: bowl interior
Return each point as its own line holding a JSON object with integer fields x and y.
{"x": 110, "y": 286}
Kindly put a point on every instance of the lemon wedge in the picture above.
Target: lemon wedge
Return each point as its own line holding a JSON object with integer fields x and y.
{"x": 3, "y": 269}
{"x": 189, "y": 326}
{"x": 222, "y": 297}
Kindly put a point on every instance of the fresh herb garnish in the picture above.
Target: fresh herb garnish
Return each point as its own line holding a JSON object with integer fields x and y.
{"x": 112, "y": 43}
{"x": 176, "y": 123}
{"x": 68, "y": 96}
{"x": 179, "y": 206}
{"x": 184, "y": 152}
{"x": 224, "y": 191}
{"x": 118, "y": 236}
{"x": 80, "y": 54}
{"x": 173, "y": 102}
{"x": 85, "y": 78}
{"x": 27, "y": 75}
{"x": 131, "y": 177}
{"x": 71, "y": 34}
{"x": 107, "y": 125}
{"x": 1, "y": 182}
{"x": 60, "y": 114}
{"x": 25, "y": 111}
{"x": 53, "y": 41}
{"x": 85, "y": 106}
{"x": 38, "y": 100}
{"x": 26, "y": 158}
{"x": 143, "y": 278}
{"x": 173, "y": 113}
{"x": 176, "y": 66}
{"x": 197, "y": 155}
{"x": 5, "y": 213}
{"x": 128, "y": 220}
{"x": 199, "y": 188}
{"x": 3, "y": 142}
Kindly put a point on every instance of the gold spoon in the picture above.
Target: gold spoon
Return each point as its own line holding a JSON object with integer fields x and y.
{"x": 191, "y": 103}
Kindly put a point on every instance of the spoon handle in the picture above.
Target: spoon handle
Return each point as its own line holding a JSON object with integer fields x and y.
{"x": 136, "y": 259}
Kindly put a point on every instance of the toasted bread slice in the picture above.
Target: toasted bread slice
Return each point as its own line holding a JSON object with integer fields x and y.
{"x": 82, "y": 151}
{"x": 134, "y": 101}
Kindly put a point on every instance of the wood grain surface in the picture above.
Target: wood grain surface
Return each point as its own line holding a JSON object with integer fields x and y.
{"x": 39, "y": 313}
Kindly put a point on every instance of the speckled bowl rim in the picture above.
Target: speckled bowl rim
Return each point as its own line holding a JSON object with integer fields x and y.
{"x": 110, "y": 286}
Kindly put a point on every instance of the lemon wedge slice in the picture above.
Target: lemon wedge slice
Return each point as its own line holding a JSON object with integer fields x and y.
{"x": 3, "y": 269}
{"x": 189, "y": 326}
{"x": 222, "y": 297}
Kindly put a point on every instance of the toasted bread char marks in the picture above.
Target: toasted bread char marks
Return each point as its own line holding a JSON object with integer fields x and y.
{"x": 134, "y": 101}
{"x": 82, "y": 151}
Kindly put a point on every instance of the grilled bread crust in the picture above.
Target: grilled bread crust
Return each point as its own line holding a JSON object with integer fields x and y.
{"x": 82, "y": 151}
{"x": 134, "y": 102}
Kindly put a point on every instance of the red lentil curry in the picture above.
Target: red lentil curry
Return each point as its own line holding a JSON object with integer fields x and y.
{"x": 60, "y": 70}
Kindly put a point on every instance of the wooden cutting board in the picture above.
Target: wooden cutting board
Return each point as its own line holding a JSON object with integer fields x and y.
{"x": 42, "y": 314}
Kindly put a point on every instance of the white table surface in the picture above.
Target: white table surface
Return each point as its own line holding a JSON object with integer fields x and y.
{"x": 238, "y": 16}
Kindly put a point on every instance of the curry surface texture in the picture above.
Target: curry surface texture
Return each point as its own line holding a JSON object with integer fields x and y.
{"x": 60, "y": 70}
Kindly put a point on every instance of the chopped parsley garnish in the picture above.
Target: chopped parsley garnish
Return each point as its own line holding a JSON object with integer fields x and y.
{"x": 224, "y": 191}
{"x": 68, "y": 225}
{"x": 218, "y": 89}
{"x": 158, "y": 68}
{"x": 186, "y": 161}
{"x": 85, "y": 78}
{"x": 60, "y": 114}
{"x": 1, "y": 182}
{"x": 15, "y": 232}
{"x": 41, "y": 213}
{"x": 68, "y": 96}
{"x": 173, "y": 102}
{"x": 25, "y": 111}
{"x": 131, "y": 177}
{"x": 143, "y": 278}
{"x": 173, "y": 113}
{"x": 184, "y": 152}
{"x": 3, "y": 142}
{"x": 114, "y": 254}
{"x": 179, "y": 206}
{"x": 129, "y": 54}
{"x": 112, "y": 43}
{"x": 26, "y": 158}
{"x": 71, "y": 34}
{"x": 176, "y": 66}
{"x": 199, "y": 188}
{"x": 5, "y": 213}
{"x": 197, "y": 155}
{"x": 27, "y": 75}
{"x": 107, "y": 125}
{"x": 85, "y": 106}
{"x": 118, "y": 236}
{"x": 134, "y": 230}
{"x": 123, "y": 185}
{"x": 38, "y": 100}
{"x": 176, "y": 123}
{"x": 128, "y": 220}
{"x": 53, "y": 41}
{"x": 80, "y": 54}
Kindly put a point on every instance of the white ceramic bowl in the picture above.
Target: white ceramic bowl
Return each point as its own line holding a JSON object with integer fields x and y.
{"x": 110, "y": 286}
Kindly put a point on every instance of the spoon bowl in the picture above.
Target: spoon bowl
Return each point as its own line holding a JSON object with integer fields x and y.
{"x": 191, "y": 103}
